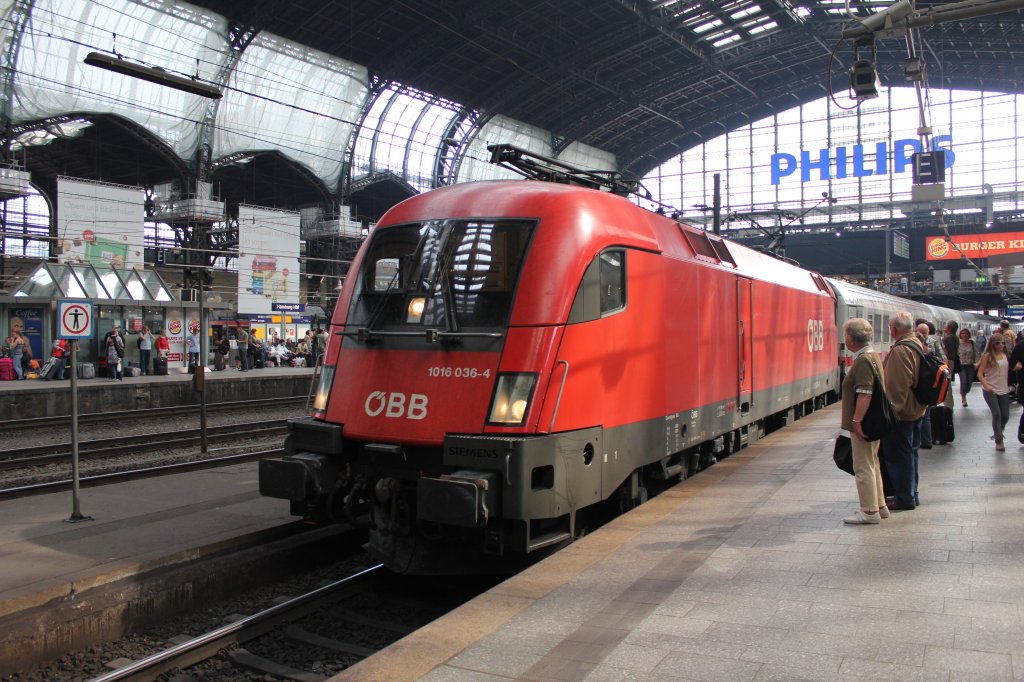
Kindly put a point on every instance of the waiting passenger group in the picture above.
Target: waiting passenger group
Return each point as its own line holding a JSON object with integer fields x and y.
{"x": 886, "y": 470}
{"x": 16, "y": 353}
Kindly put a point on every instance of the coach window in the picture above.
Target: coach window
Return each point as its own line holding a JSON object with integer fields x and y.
{"x": 613, "y": 281}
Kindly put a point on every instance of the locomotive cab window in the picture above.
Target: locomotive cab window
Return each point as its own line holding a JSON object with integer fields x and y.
{"x": 602, "y": 290}
{"x": 613, "y": 281}
{"x": 441, "y": 274}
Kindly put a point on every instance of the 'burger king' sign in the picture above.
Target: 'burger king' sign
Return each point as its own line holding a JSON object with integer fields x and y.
{"x": 974, "y": 245}
{"x": 938, "y": 247}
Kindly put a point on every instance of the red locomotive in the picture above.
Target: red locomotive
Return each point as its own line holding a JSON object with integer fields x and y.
{"x": 508, "y": 355}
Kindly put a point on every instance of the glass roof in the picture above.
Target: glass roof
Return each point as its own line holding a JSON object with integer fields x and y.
{"x": 718, "y": 24}
{"x": 292, "y": 98}
{"x": 58, "y": 280}
{"x": 402, "y": 133}
{"x": 53, "y": 80}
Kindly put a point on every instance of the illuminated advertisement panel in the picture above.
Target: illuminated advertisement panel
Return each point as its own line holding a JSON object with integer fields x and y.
{"x": 983, "y": 245}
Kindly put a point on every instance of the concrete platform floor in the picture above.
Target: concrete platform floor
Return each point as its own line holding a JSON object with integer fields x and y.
{"x": 746, "y": 572}
{"x": 137, "y": 526}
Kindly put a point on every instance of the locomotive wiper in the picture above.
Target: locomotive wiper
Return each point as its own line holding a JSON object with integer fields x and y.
{"x": 378, "y": 310}
{"x": 445, "y": 285}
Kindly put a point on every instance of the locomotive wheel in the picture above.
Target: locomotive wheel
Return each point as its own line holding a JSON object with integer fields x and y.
{"x": 692, "y": 463}
{"x": 627, "y": 502}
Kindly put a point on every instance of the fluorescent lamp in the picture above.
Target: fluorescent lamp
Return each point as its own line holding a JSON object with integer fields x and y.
{"x": 153, "y": 74}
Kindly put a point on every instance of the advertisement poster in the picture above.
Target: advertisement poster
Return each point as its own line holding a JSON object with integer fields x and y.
{"x": 29, "y": 321}
{"x": 175, "y": 336}
{"x": 974, "y": 245}
{"x": 100, "y": 223}
{"x": 268, "y": 259}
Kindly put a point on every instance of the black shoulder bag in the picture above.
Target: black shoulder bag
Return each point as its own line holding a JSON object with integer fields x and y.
{"x": 842, "y": 454}
{"x": 881, "y": 417}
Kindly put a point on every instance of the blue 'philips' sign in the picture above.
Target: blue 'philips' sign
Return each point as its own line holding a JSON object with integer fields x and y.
{"x": 843, "y": 162}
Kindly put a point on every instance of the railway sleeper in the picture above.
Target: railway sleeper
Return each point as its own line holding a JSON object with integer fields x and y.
{"x": 249, "y": 661}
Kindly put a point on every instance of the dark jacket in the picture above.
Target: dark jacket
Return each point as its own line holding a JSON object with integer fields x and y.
{"x": 1017, "y": 355}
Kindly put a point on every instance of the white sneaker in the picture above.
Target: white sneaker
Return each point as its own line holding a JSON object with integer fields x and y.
{"x": 860, "y": 518}
{"x": 883, "y": 512}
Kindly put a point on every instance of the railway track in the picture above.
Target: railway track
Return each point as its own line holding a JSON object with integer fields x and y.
{"x": 337, "y": 624}
{"x": 206, "y": 646}
{"x": 111, "y": 447}
{"x": 134, "y": 474}
{"x": 148, "y": 413}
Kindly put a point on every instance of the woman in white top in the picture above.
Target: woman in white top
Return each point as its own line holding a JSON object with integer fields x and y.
{"x": 967, "y": 354}
{"x": 992, "y": 371}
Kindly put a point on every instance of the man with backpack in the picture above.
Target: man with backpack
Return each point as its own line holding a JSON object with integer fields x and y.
{"x": 900, "y": 446}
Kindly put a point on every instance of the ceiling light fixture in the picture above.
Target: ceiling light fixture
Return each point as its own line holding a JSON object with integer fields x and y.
{"x": 153, "y": 74}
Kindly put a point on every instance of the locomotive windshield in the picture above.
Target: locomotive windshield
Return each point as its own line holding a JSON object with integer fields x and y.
{"x": 451, "y": 275}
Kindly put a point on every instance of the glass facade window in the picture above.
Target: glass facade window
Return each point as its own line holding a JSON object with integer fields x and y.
{"x": 401, "y": 133}
{"x": 24, "y": 218}
{"x": 784, "y": 163}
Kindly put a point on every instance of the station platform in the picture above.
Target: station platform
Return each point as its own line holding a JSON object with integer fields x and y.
{"x": 38, "y": 398}
{"x": 54, "y": 574}
{"x": 746, "y": 572}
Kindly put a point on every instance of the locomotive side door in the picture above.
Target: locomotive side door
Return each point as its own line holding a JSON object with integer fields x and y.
{"x": 745, "y": 343}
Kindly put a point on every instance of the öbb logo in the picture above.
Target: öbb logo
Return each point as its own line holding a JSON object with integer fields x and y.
{"x": 815, "y": 335}
{"x": 395, "y": 405}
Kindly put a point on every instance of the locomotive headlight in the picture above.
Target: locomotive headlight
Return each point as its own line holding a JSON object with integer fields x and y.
{"x": 414, "y": 312}
{"x": 512, "y": 398}
{"x": 323, "y": 391}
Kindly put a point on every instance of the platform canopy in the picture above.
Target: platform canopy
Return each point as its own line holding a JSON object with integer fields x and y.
{"x": 53, "y": 280}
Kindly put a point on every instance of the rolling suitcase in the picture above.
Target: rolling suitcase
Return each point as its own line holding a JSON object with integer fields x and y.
{"x": 942, "y": 424}
{"x": 50, "y": 369}
{"x": 160, "y": 367}
{"x": 6, "y": 369}
{"x": 218, "y": 362}
{"x": 86, "y": 370}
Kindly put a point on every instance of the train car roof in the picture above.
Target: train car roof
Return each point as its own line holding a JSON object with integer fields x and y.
{"x": 852, "y": 294}
{"x": 576, "y": 224}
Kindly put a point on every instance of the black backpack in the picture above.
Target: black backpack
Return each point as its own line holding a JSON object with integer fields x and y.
{"x": 932, "y": 382}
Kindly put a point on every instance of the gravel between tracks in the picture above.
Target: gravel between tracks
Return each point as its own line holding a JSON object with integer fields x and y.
{"x": 143, "y": 458}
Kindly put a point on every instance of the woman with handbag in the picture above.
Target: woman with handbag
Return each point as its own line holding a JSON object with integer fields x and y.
{"x": 856, "y": 391}
{"x": 993, "y": 371}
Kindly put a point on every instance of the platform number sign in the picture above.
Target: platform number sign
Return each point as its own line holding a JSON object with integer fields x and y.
{"x": 74, "y": 319}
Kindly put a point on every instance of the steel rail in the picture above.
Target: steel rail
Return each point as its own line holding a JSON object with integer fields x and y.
{"x": 133, "y": 474}
{"x": 99, "y": 417}
{"x": 208, "y": 645}
{"x": 109, "y": 447}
